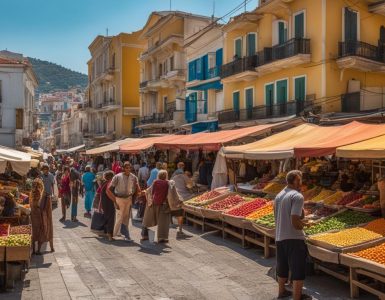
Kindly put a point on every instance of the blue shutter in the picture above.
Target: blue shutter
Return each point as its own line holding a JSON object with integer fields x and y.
{"x": 206, "y": 96}
{"x": 192, "y": 70}
{"x": 205, "y": 67}
{"x": 219, "y": 57}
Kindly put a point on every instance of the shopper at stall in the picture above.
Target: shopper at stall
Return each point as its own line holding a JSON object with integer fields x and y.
{"x": 154, "y": 173}
{"x": 290, "y": 237}
{"x": 180, "y": 169}
{"x": 37, "y": 194}
{"x": 75, "y": 188}
{"x": 143, "y": 174}
{"x": 65, "y": 191}
{"x": 108, "y": 205}
{"x": 122, "y": 189}
{"x": 88, "y": 179}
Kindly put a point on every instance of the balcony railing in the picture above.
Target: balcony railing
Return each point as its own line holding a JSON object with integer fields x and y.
{"x": 110, "y": 102}
{"x": 143, "y": 84}
{"x": 154, "y": 118}
{"x": 213, "y": 72}
{"x": 361, "y": 49}
{"x": 288, "y": 49}
{"x": 263, "y": 112}
{"x": 239, "y": 65}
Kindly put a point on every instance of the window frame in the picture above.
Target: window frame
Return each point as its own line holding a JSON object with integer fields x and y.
{"x": 287, "y": 91}
{"x": 264, "y": 92}
{"x": 297, "y": 77}
{"x": 235, "y": 46}
{"x": 358, "y": 23}
{"x": 304, "y": 22}
{"x": 244, "y": 95}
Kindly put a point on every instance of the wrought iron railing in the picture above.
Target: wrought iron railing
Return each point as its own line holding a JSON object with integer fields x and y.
{"x": 239, "y": 65}
{"x": 361, "y": 49}
{"x": 213, "y": 72}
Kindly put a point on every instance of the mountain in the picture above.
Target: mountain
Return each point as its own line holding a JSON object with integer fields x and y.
{"x": 53, "y": 77}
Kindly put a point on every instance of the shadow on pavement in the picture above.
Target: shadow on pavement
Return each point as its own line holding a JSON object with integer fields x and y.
{"x": 70, "y": 225}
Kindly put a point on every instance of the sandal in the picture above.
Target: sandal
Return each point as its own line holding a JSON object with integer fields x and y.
{"x": 285, "y": 294}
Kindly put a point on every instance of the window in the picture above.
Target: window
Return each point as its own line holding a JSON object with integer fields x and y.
{"x": 269, "y": 94}
{"x": 249, "y": 102}
{"x": 212, "y": 62}
{"x": 192, "y": 71}
{"x": 300, "y": 88}
{"x": 219, "y": 57}
{"x": 113, "y": 61}
{"x": 299, "y": 24}
{"x": 19, "y": 118}
{"x": 172, "y": 67}
{"x": 281, "y": 91}
{"x": 350, "y": 25}
{"x": 236, "y": 96}
{"x": 279, "y": 32}
{"x": 251, "y": 44}
{"x": 238, "y": 48}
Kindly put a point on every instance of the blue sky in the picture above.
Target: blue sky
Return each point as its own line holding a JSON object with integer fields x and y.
{"x": 61, "y": 30}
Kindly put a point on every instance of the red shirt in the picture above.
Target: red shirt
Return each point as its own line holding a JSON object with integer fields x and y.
{"x": 65, "y": 185}
{"x": 159, "y": 191}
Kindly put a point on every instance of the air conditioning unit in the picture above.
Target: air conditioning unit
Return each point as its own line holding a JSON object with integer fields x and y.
{"x": 131, "y": 111}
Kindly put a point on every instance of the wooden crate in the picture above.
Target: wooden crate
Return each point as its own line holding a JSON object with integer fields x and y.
{"x": 193, "y": 210}
{"x": 335, "y": 270}
{"x": 322, "y": 254}
{"x": 373, "y": 283}
{"x": 233, "y": 220}
{"x": 2, "y": 253}
{"x": 17, "y": 253}
{"x": 262, "y": 241}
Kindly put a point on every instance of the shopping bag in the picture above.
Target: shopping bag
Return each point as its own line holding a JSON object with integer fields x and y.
{"x": 150, "y": 217}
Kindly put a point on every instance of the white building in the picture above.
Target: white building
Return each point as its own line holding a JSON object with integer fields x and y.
{"x": 17, "y": 90}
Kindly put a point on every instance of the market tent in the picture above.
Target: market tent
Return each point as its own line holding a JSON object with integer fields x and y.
{"x": 353, "y": 132}
{"x": 213, "y": 141}
{"x": 281, "y": 145}
{"x": 370, "y": 149}
{"x": 20, "y": 161}
{"x": 134, "y": 147}
{"x": 113, "y": 147}
{"x": 70, "y": 150}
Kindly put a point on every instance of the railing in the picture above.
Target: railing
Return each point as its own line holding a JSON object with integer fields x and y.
{"x": 263, "y": 111}
{"x": 361, "y": 49}
{"x": 110, "y": 102}
{"x": 143, "y": 84}
{"x": 213, "y": 72}
{"x": 154, "y": 118}
{"x": 239, "y": 65}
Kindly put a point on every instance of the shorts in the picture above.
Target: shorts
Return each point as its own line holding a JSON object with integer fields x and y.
{"x": 291, "y": 256}
{"x": 177, "y": 213}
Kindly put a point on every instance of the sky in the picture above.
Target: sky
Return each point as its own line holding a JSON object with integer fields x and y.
{"x": 60, "y": 31}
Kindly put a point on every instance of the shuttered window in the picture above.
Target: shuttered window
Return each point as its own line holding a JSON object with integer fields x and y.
{"x": 300, "y": 89}
{"x": 282, "y": 32}
{"x": 192, "y": 70}
{"x": 205, "y": 67}
{"x": 251, "y": 46}
{"x": 269, "y": 94}
{"x": 299, "y": 25}
{"x": 219, "y": 57}
{"x": 281, "y": 91}
{"x": 350, "y": 23}
{"x": 238, "y": 48}
{"x": 236, "y": 101}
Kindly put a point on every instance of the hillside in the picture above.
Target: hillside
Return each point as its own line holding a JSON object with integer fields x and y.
{"x": 55, "y": 77}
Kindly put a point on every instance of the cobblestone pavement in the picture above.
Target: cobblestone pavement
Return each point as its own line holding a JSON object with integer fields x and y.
{"x": 202, "y": 266}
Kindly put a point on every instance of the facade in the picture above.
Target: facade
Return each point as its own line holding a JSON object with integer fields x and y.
{"x": 286, "y": 56}
{"x": 163, "y": 68}
{"x": 113, "y": 96}
{"x": 204, "y": 55}
{"x": 17, "y": 90}
{"x": 72, "y": 126}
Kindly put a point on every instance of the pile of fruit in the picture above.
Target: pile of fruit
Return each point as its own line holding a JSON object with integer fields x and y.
{"x": 341, "y": 221}
{"x": 376, "y": 254}
{"x": 200, "y": 200}
{"x": 348, "y": 237}
{"x": 322, "y": 195}
{"x": 16, "y": 240}
{"x": 334, "y": 198}
{"x": 320, "y": 212}
{"x": 247, "y": 208}
{"x": 349, "y": 198}
{"x": 267, "y": 221}
{"x": 226, "y": 203}
{"x": 4, "y": 229}
{"x": 367, "y": 202}
{"x": 309, "y": 209}
{"x": 23, "y": 229}
{"x": 311, "y": 193}
{"x": 263, "y": 211}
{"x": 260, "y": 185}
{"x": 273, "y": 188}
{"x": 377, "y": 226}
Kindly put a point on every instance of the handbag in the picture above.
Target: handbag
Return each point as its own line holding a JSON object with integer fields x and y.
{"x": 98, "y": 221}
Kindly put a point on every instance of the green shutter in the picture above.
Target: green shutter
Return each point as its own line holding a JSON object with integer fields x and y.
{"x": 350, "y": 25}
{"x": 269, "y": 94}
{"x": 282, "y": 33}
{"x": 281, "y": 91}
{"x": 236, "y": 101}
{"x": 238, "y": 48}
{"x": 249, "y": 103}
{"x": 299, "y": 24}
{"x": 251, "y": 44}
{"x": 299, "y": 85}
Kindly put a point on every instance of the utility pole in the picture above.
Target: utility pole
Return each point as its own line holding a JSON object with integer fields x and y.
{"x": 245, "y": 4}
{"x": 170, "y": 4}
{"x": 107, "y": 31}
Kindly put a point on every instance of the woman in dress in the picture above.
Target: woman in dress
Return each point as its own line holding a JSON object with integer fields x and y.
{"x": 37, "y": 194}
{"x": 108, "y": 205}
{"x": 65, "y": 192}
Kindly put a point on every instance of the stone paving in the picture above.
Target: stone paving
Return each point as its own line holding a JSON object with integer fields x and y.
{"x": 202, "y": 266}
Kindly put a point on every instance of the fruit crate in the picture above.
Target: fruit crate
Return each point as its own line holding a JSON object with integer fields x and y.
{"x": 193, "y": 210}
{"x": 4, "y": 230}
{"x": 366, "y": 210}
{"x": 233, "y": 220}
{"x": 18, "y": 253}
{"x": 270, "y": 232}
{"x": 2, "y": 253}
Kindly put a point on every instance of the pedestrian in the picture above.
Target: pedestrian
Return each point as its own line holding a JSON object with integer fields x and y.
{"x": 157, "y": 197}
{"x": 108, "y": 205}
{"x": 116, "y": 166}
{"x": 65, "y": 192}
{"x": 88, "y": 179}
{"x": 58, "y": 176}
{"x": 143, "y": 174}
{"x": 75, "y": 187}
{"x": 37, "y": 194}
{"x": 154, "y": 173}
{"x": 290, "y": 237}
{"x": 179, "y": 170}
{"x": 122, "y": 189}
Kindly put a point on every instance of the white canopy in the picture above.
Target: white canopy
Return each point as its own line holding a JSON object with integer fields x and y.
{"x": 20, "y": 161}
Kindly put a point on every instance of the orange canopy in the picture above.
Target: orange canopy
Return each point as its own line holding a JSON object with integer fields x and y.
{"x": 212, "y": 141}
{"x": 348, "y": 134}
{"x": 143, "y": 144}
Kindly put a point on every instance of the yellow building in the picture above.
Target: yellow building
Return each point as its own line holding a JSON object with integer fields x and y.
{"x": 113, "y": 98}
{"x": 291, "y": 55}
{"x": 163, "y": 68}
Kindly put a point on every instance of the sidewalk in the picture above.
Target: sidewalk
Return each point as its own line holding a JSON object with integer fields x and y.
{"x": 85, "y": 266}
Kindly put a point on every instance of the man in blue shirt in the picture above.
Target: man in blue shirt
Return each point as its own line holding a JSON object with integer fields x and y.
{"x": 89, "y": 186}
{"x": 154, "y": 174}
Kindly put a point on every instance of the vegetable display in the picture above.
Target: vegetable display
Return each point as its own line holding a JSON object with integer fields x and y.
{"x": 341, "y": 221}
{"x": 322, "y": 195}
{"x": 331, "y": 200}
{"x": 376, "y": 254}
{"x": 226, "y": 203}
{"x": 267, "y": 221}
{"x": 16, "y": 240}
{"x": 200, "y": 200}
{"x": 349, "y": 198}
{"x": 273, "y": 188}
{"x": 4, "y": 229}
{"x": 367, "y": 202}
{"x": 263, "y": 211}
{"x": 23, "y": 229}
{"x": 247, "y": 208}
{"x": 377, "y": 226}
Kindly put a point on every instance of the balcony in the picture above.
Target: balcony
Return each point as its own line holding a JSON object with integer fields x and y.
{"x": 292, "y": 53}
{"x": 263, "y": 112}
{"x": 361, "y": 56}
{"x": 143, "y": 84}
{"x": 154, "y": 118}
{"x": 377, "y": 7}
{"x": 240, "y": 69}
{"x": 175, "y": 75}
